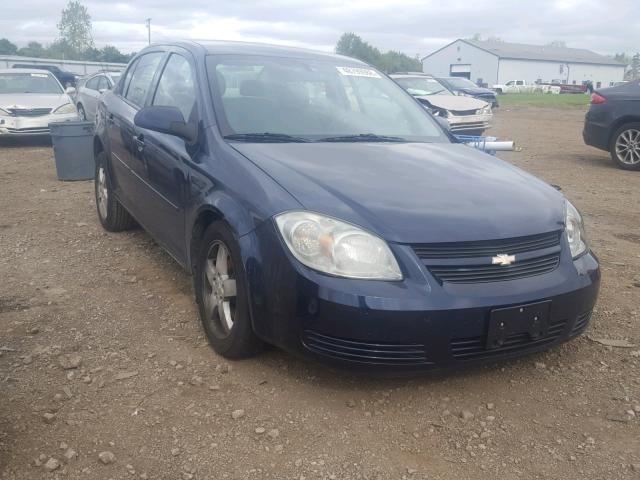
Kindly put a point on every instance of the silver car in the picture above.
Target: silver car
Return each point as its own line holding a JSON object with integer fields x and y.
{"x": 465, "y": 115}
{"x": 30, "y": 99}
{"x": 89, "y": 90}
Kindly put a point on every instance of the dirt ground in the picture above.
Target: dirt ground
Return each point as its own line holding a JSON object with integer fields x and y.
{"x": 143, "y": 396}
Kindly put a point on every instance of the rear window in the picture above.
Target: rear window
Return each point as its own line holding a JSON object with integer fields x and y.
{"x": 29, "y": 83}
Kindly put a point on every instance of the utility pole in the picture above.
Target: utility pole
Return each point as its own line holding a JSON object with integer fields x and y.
{"x": 148, "y": 21}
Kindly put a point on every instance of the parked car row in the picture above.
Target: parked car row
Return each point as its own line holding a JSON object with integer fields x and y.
{"x": 321, "y": 209}
{"x": 463, "y": 113}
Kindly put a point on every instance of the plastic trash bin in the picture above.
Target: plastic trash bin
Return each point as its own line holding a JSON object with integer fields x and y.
{"x": 73, "y": 150}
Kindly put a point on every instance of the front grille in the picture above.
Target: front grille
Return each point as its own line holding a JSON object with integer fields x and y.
{"x": 487, "y": 248}
{"x": 462, "y": 113}
{"x": 378, "y": 353}
{"x": 471, "y": 262}
{"x": 475, "y": 347}
{"x": 493, "y": 273}
{"x": 29, "y": 112}
{"x": 28, "y": 131}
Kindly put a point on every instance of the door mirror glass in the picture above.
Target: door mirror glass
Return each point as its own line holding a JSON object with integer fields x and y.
{"x": 166, "y": 120}
{"x": 70, "y": 90}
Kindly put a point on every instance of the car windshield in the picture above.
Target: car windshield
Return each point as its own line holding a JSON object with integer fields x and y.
{"x": 275, "y": 99}
{"x": 458, "y": 82}
{"x": 422, "y": 86}
{"x": 28, "y": 83}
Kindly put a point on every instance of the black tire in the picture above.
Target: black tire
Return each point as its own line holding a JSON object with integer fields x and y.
{"x": 628, "y": 128}
{"x": 499, "y": 91}
{"x": 239, "y": 340}
{"x": 81, "y": 113}
{"x": 113, "y": 216}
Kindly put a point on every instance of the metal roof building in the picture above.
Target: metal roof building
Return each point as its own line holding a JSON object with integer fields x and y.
{"x": 493, "y": 62}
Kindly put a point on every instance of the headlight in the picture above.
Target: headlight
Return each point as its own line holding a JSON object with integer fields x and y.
{"x": 66, "y": 108}
{"x": 463, "y": 94}
{"x": 4, "y": 112}
{"x": 575, "y": 231}
{"x": 337, "y": 248}
{"x": 484, "y": 110}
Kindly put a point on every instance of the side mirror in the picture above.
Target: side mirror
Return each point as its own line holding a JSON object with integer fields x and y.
{"x": 70, "y": 90}
{"x": 102, "y": 90}
{"x": 166, "y": 120}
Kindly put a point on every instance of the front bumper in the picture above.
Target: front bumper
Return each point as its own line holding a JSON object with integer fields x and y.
{"x": 413, "y": 325}
{"x": 30, "y": 126}
{"x": 466, "y": 123}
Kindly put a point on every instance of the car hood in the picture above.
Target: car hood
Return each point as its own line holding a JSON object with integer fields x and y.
{"x": 33, "y": 100}
{"x": 476, "y": 91}
{"x": 412, "y": 192}
{"x": 453, "y": 102}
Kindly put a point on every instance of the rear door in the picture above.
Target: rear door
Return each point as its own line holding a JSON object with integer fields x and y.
{"x": 165, "y": 157}
{"x": 132, "y": 95}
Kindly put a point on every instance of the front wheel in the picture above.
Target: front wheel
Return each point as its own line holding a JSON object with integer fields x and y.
{"x": 81, "y": 113}
{"x": 221, "y": 294}
{"x": 625, "y": 146}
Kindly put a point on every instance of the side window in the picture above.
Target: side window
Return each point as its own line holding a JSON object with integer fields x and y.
{"x": 142, "y": 77}
{"x": 127, "y": 78}
{"x": 103, "y": 84}
{"x": 510, "y": 82}
{"x": 520, "y": 82}
{"x": 92, "y": 84}
{"x": 176, "y": 87}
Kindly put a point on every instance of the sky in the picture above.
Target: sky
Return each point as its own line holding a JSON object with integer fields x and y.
{"x": 415, "y": 27}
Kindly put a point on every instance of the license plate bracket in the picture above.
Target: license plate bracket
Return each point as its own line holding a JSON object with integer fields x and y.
{"x": 532, "y": 319}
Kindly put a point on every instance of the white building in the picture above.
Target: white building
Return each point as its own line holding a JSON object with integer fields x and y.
{"x": 490, "y": 62}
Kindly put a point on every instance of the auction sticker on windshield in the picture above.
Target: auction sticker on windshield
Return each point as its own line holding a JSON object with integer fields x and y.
{"x": 358, "y": 72}
{"x": 40, "y": 75}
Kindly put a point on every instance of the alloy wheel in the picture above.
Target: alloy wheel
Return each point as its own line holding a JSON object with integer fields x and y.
{"x": 628, "y": 147}
{"x": 102, "y": 193}
{"x": 219, "y": 288}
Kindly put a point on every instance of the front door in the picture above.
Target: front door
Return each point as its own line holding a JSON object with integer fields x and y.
{"x": 165, "y": 157}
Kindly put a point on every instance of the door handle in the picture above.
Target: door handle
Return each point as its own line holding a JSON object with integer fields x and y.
{"x": 139, "y": 141}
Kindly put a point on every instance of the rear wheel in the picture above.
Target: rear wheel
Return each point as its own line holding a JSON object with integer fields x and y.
{"x": 221, "y": 294}
{"x": 113, "y": 216}
{"x": 625, "y": 146}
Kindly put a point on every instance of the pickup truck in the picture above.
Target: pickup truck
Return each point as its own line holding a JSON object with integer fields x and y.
{"x": 515, "y": 86}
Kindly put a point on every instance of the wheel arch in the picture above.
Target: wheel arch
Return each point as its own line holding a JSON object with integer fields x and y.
{"x": 620, "y": 122}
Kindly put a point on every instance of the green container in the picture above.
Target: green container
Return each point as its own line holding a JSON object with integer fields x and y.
{"x": 73, "y": 150}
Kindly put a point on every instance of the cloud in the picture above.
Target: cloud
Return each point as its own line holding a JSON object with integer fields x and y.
{"x": 411, "y": 26}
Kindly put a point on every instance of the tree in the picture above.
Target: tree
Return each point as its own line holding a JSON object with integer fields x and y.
{"x": 7, "y": 48}
{"x": 75, "y": 27}
{"x": 33, "y": 49}
{"x": 634, "y": 68}
{"x": 352, "y": 45}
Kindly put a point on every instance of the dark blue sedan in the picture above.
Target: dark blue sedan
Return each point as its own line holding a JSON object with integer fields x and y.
{"x": 321, "y": 209}
{"x": 463, "y": 86}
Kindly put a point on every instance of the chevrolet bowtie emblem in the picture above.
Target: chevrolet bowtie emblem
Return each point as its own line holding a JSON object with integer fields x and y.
{"x": 503, "y": 259}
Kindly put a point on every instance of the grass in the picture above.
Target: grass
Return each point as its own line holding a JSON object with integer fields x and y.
{"x": 545, "y": 99}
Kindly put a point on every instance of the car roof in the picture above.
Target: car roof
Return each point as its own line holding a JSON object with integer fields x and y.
{"x": 25, "y": 70}
{"x": 225, "y": 47}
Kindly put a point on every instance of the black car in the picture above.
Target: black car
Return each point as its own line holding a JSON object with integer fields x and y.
{"x": 322, "y": 209}
{"x": 613, "y": 123}
{"x": 463, "y": 86}
{"x": 67, "y": 79}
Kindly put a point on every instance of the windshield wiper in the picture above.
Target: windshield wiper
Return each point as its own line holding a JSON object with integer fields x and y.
{"x": 363, "y": 137}
{"x": 266, "y": 137}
